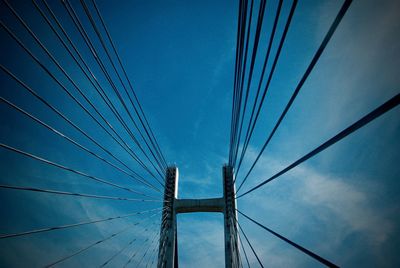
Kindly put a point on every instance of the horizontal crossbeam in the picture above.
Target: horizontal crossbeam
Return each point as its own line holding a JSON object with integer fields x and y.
{"x": 199, "y": 205}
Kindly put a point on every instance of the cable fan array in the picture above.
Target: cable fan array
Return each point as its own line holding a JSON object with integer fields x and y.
{"x": 246, "y": 112}
{"x": 100, "y": 89}
{"x": 100, "y": 117}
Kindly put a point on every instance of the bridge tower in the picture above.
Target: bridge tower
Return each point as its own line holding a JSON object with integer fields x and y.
{"x": 168, "y": 247}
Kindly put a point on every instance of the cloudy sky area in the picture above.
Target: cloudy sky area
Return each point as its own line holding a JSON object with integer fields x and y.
{"x": 342, "y": 204}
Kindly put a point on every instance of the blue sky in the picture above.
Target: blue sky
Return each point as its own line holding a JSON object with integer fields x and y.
{"x": 343, "y": 204}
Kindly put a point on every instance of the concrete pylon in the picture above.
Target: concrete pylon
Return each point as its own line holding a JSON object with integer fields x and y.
{"x": 232, "y": 259}
{"x": 168, "y": 249}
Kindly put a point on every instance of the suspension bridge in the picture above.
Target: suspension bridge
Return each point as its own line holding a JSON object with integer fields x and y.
{"x": 108, "y": 124}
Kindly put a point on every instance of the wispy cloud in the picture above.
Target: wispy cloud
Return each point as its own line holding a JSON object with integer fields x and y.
{"x": 322, "y": 210}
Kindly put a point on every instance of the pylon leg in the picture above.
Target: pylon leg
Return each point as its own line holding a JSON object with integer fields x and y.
{"x": 168, "y": 250}
{"x": 230, "y": 220}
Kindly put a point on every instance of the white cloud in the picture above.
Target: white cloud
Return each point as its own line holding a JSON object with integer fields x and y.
{"x": 320, "y": 210}
{"x": 353, "y": 206}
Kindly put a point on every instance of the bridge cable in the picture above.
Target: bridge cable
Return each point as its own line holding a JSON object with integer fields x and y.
{"x": 118, "y": 252}
{"x": 71, "y": 12}
{"x": 134, "y": 156}
{"x": 151, "y": 255}
{"x": 87, "y": 247}
{"x": 153, "y": 260}
{"x": 238, "y": 90}
{"x": 99, "y": 89}
{"x": 244, "y": 250}
{"x": 241, "y": 71}
{"x": 251, "y": 246}
{"x": 94, "y": 178}
{"x": 135, "y": 252}
{"x": 236, "y": 242}
{"x": 304, "y": 250}
{"x": 92, "y": 49}
{"x": 129, "y": 82}
{"x": 30, "y": 90}
{"x": 67, "y": 226}
{"x": 387, "y": 106}
{"x": 250, "y": 76}
{"x": 271, "y": 39}
{"x": 125, "y": 247}
{"x": 97, "y": 31}
{"x": 241, "y": 63}
{"x": 150, "y": 245}
{"x": 96, "y": 243}
{"x": 313, "y": 62}
{"x": 33, "y": 189}
{"x": 238, "y": 49}
{"x": 131, "y": 176}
